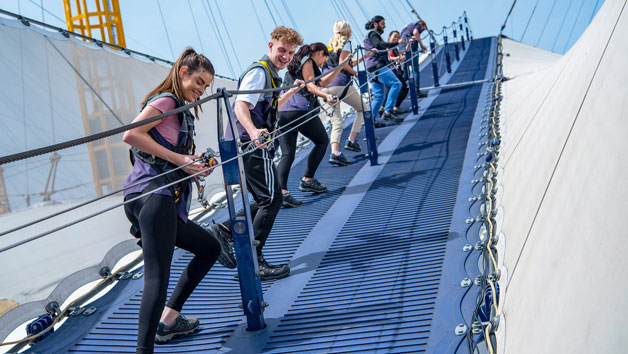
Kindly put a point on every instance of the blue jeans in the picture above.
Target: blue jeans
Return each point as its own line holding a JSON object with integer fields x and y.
{"x": 385, "y": 78}
{"x": 415, "y": 64}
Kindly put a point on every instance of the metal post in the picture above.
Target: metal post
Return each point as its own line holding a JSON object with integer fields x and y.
{"x": 456, "y": 44}
{"x": 241, "y": 225}
{"x": 434, "y": 65}
{"x": 414, "y": 50}
{"x": 462, "y": 37}
{"x": 447, "y": 57}
{"x": 408, "y": 67}
{"x": 466, "y": 22}
{"x": 369, "y": 127}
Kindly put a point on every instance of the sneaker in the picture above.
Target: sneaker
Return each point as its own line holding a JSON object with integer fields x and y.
{"x": 312, "y": 186}
{"x": 378, "y": 124}
{"x": 388, "y": 115}
{"x": 398, "y": 111}
{"x": 223, "y": 235}
{"x": 290, "y": 202}
{"x": 268, "y": 271}
{"x": 180, "y": 327}
{"x": 339, "y": 160}
{"x": 353, "y": 146}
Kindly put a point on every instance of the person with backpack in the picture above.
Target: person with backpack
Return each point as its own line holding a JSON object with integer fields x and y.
{"x": 342, "y": 87}
{"x": 301, "y": 113}
{"x": 160, "y": 219}
{"x": 380, "y": 72}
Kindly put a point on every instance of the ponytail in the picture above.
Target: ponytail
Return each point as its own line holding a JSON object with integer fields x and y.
{"x": 371, "y": 24}
{"x": 341, "y": 31}
{"x": 172, "y": 83}
{"x": 305, "y": 51}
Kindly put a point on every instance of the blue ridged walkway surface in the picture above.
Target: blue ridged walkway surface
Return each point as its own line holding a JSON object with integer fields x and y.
{"x": 373, "y": 290}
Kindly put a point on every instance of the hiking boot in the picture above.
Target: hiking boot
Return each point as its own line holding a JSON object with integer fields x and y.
{"x": 289, "y": 201}
{"x": 388, "y": 115}
{"x": 353, "y": 146}
{"x": 312, "y": 186}
{"x": 378, "y": 124}
{"x": 268, "y": 271}
{"x": 223, "y": 235}
{"x": 339, "y": 159}
{"x": 180, "y": 327}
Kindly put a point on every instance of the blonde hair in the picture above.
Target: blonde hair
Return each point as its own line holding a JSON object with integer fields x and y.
{"x": 342, "y": 29}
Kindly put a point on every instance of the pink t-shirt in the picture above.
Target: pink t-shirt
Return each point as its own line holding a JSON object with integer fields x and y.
{"x": 169, "y": 126}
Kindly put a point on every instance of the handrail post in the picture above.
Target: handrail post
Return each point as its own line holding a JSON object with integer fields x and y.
{"x": 409, "y": 71}
{"x": 416, "y": 70}
{"x": 462, "y": 37}
{"x": 241, "y": 225}
{"x": 434, "y": 65}
{"x": 456, "y": 44}
{"x": 369, "y": 127}
{"x": 447, "y": 57}
{"x": 466, "y": 22}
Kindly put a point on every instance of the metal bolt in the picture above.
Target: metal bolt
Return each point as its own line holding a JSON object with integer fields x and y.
{"x": 461, "y": 329}
{"x": 469, "y": 220}
{"x": 137, "y": 275}
{"x": 474, "y": 181}
{"x": 479, "y": 280}
{"x": 467, "y": 248}
{"x": 472, "y": 199}
{"x": 465, "y": 283}
{"x": 476, "y": 327}
{"x": 479, "y": 245}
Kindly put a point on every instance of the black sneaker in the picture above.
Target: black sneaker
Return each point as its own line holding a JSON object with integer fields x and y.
{"x": 268, "y": 271}
{"x": 388, "y": 115}
{"x": 353, "y": 146}
{"x": 312, "y": 186}
{"x": 223, "y": 235}
{"x": 290, "y": 202}
{"x": 378, "y": 124}
{"x": 180, "y": 327}
{"x": 339, "y": 160}
{"x": 398, "y": 111}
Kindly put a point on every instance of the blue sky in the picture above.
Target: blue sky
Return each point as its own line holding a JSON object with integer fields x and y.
{"x": 549, "y": 24}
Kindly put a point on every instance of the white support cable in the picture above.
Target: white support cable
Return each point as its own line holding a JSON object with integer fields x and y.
{"x": 163, "y": 21}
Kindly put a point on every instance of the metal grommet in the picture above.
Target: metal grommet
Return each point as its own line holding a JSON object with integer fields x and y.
{"x": 461, "y": 329}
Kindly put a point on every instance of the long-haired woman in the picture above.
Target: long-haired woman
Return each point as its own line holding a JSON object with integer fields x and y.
{"x": 160, "y": 219}
{"x": 342, "y": 87}
{"x": 301, "y": 108}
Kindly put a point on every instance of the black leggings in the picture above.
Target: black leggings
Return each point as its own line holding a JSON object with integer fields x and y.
{"x": 313, "y": 130}
{"x": 161, "y": 231}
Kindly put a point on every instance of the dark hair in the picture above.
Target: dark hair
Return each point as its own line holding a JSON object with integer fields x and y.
{"x": 393, "y": 32}
{"x": 371, "y": 23}
{"x": 303, "y": 52}
{"x": 194, "y": 62}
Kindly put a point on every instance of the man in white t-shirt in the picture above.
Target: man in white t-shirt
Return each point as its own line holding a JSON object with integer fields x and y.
{"x": 257, "y": 114}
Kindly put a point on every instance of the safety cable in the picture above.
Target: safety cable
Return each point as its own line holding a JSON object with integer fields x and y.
{"x": 107, "y": 133}
{"x": 248, "y": 151}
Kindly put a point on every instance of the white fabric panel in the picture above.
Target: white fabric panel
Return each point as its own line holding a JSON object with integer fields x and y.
{"x": 565, "y": 193}
{"x": 43, "y": 100}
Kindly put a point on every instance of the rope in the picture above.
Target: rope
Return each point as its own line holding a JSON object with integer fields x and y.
{"x": 507, "y": 16}
{"x": 546, "y": 22}
{"x": 575, "y": 21}
{"x": 287, "y": 8}
{"x": 271, "y": 13}
{"x": 216, "y": 30}
{"x": 247, "y": 151}
{"x": 224, "y": 25}
{"x": 198, "y": 35}
{"x": 560, "y": 29}
{"x": 165, "y": 29}
{"x": 529, "y": 19}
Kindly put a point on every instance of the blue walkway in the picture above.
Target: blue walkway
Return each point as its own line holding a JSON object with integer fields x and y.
{"x": 367, "y": 256}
